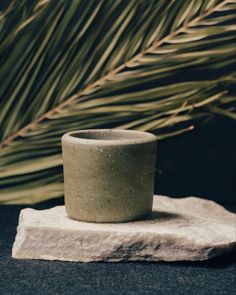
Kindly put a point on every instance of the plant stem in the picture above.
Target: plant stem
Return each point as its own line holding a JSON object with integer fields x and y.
{"x": 108, "y": 76}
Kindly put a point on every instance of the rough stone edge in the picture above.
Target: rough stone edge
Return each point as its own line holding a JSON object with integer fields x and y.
{"x": 219, "y": 250}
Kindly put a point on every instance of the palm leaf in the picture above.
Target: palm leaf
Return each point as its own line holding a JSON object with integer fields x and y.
{"x": 68, "y": 65}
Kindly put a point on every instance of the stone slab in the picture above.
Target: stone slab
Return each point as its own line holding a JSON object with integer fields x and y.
{"x": 178, "y": 229}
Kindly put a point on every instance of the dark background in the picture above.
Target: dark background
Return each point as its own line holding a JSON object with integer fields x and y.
{"x": 200, "y": 163}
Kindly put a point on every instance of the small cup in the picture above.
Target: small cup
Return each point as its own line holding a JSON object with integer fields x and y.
{"x": 108, "y": 174}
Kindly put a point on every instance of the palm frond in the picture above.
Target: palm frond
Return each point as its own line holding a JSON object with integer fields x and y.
{"x": 68, "y": 65}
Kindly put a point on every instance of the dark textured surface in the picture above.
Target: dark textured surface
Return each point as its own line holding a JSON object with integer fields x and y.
{"x": 42, "y": 277}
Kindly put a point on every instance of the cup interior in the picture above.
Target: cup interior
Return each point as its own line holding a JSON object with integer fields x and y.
{"x": 113, "y": 135}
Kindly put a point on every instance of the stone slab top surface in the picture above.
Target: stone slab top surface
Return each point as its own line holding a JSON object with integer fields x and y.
{"x": 178, "y": 229}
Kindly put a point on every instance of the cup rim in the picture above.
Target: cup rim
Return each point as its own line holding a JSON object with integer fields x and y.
{"x": 109, "y": 137}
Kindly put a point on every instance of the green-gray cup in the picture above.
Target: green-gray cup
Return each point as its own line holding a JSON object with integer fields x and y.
{"x": 108, "y": 174}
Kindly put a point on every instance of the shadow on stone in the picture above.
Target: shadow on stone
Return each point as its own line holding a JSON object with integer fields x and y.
{"x": 163, "y": 216}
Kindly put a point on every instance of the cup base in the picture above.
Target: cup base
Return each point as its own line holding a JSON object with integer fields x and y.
{"x": 123, "y": 220}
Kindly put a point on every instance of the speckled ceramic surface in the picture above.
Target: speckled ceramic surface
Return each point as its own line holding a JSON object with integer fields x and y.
{"x": 108, "y": 174}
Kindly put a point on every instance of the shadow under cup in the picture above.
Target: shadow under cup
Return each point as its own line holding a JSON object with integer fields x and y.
{"x": 108, "y": 174}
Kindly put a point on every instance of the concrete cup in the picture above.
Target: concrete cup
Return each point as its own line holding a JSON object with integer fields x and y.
{"x": 108, "y": 174}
